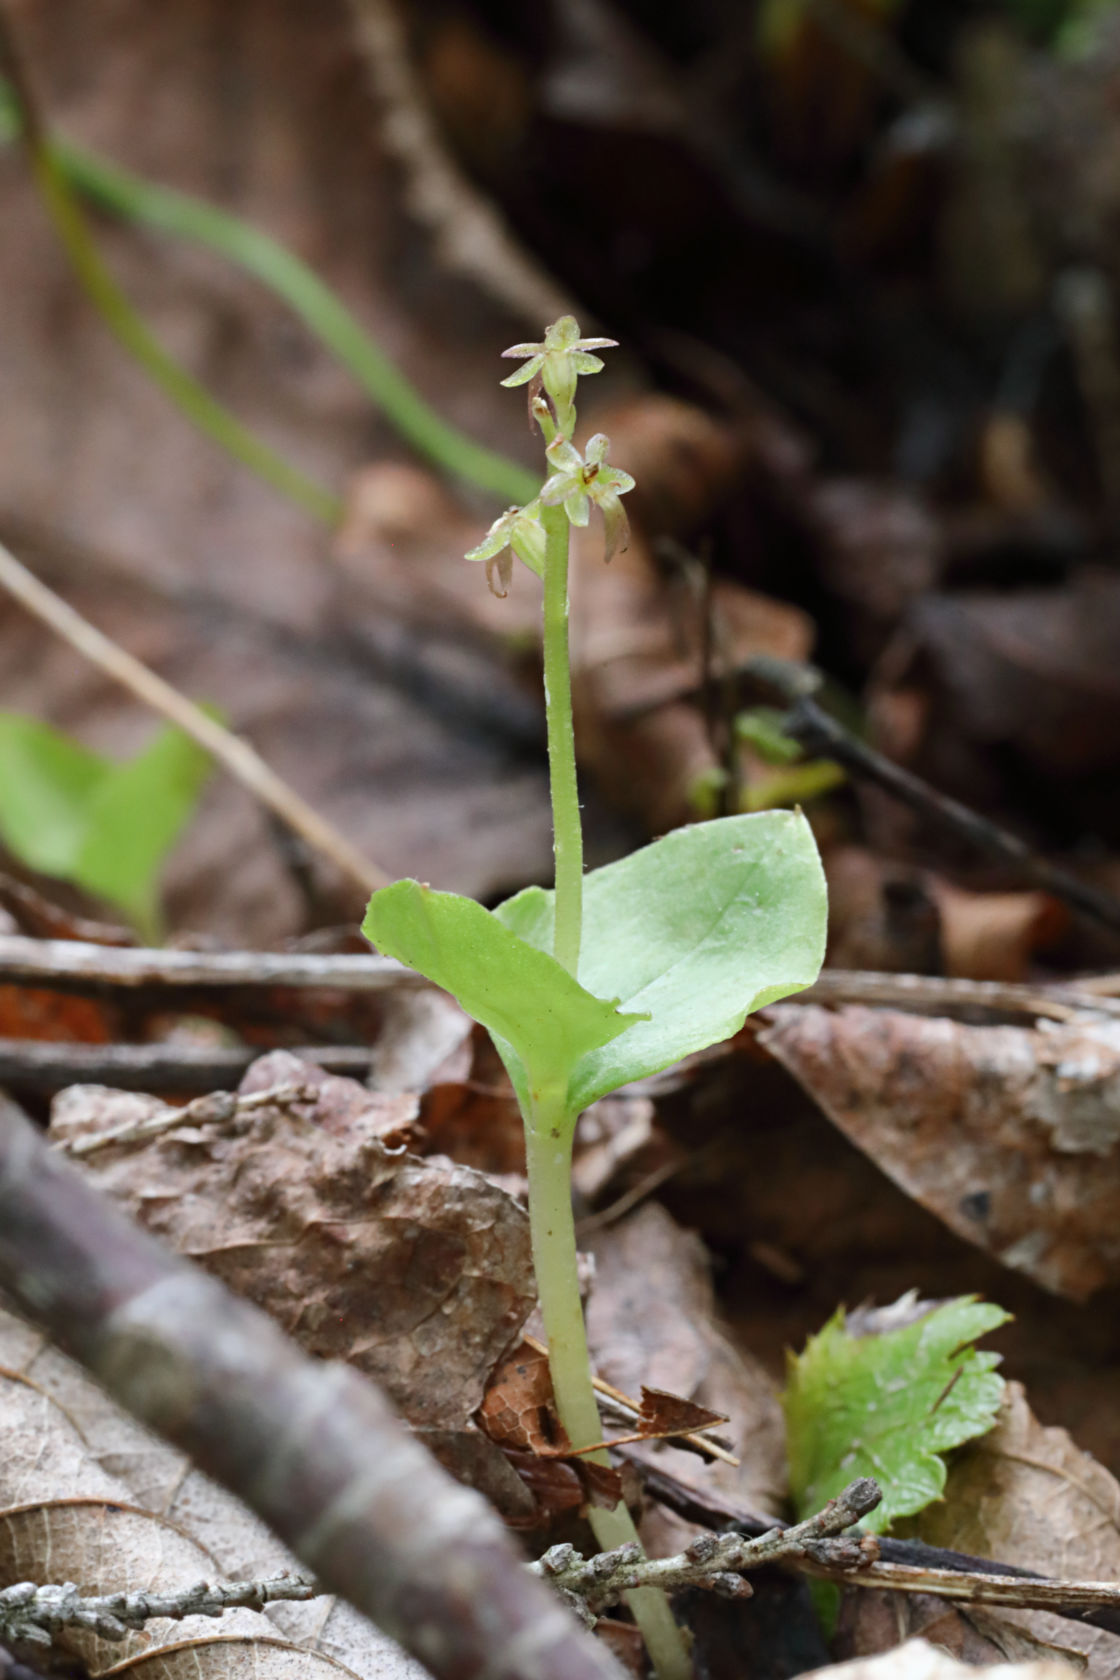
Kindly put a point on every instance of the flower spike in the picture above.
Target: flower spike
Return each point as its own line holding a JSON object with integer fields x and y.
{"x": 556, "y": 364}
{"x": 578, "y": 480}
{"x": 515, "y": 532}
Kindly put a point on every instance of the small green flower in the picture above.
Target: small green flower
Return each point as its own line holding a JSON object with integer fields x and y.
{"x": 557, "y": 364}
{"x": 578, "y": 480}
{"x": 517, "y": 531}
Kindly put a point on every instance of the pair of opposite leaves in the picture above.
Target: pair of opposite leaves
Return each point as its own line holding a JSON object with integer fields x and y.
{"x": 682, "y": 940}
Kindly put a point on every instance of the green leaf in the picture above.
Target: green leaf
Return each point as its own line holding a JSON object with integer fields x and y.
{"x": 889, "y": 1405}
{"x": 46, "y": 783}
{"x": 521, "y": 995}
{"x": 135, "y": 815}
{"x": 106, "y": 827}
{"x": 695, "y": 931}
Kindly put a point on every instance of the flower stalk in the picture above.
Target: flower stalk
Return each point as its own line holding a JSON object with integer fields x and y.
{"x": 539, "y": 535}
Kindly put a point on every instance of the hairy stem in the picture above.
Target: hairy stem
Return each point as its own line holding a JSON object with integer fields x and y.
{"x": 548, "y": 1139}
{"x": 566, "y": 826}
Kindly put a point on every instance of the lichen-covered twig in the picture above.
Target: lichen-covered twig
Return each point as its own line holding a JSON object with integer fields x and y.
{"x": 216, "y": 1108}
{"x": 313, "y": 1448}
{"x": 29, "y": 1615}
{"x": 714, "y": 1561}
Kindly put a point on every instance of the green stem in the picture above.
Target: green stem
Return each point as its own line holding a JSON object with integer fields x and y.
{"x": 548, "y": 1141}
{"x": 566, "y": 826}
{"x": 191, "y": 398}
{"x": 318, "y": 307}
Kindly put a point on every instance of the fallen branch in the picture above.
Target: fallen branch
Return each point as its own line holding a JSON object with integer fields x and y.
{"x": 42, "y": 1065}
{"x": 30, "y": 1615}
{"x": 70, "y": 964}
{"x": 716, "y": 1562}
{"x": 313, "y": 1448}
{"x": 904, "y": 1565}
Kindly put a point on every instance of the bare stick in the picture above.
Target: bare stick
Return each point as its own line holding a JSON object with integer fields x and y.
{"x": 40, "y": 1065}
{"x": 313, "y": 1448}
{"x": 821, "y": 734}
{"x": 72, "y": 963}
{"x": 236, "y": 756}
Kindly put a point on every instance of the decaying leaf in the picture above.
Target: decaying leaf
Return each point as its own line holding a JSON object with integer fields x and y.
{"x": 652, "y": 1321}
{"x": 1011, "y": 1135}
{"x": 918, "y": 1660}
{"x": 419, "y": 1273}
{"x": 1027, "y": 1493}
{"x": 88, "y": 1495}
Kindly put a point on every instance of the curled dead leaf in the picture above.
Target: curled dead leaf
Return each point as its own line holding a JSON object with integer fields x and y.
{"x": 1011, "y": 1135}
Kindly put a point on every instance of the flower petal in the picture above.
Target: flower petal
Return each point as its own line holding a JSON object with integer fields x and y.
{"x": 597, "y": 344}
{"x": 586, "y": 364}
{"x": 524, "y": 350}
{"x": 499, "y": 574}
{"x": 524, "y": 374}
{"x": 596, "y": 451}
{"x": 615, "y": 480}
{"x": 577, "y": 507}
{"x": 616, "y": 527}
{"x": 562, "y": 334}
{"x": 564, "y": 456}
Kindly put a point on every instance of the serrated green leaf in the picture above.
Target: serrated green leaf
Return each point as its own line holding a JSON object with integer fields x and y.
{"x": 697, "y": 930}
{"x": 522, "y": 995}
{"x": 69, "y": 812}
{"x": 889, "y": 1405}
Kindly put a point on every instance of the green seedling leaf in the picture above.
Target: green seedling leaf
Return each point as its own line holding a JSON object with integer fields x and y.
{"x": 106, "y": 827}
{"x": 46, "y": 783}
{"x": 135, "y": 815}
{"x": 520, "y": 994}
{"x": 889, "y": 1406}
{"x": 695, "y": 932}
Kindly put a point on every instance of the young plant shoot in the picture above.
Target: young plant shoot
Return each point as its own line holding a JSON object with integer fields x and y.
{"x": 684, "y": 938}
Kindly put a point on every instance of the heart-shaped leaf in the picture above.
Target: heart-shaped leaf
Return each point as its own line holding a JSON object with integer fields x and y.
{"x": 521, "y": 994}
{"x": 695, "y": 931}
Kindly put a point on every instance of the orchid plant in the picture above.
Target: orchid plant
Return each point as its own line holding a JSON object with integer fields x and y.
{"x": 690, "y": 934}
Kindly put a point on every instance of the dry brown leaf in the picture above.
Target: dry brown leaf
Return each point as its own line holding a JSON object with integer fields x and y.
{"x": 417, "y": 1272}
{"x": 652, "y": 1321}
{"x": 1026, "y": 1493}
{"x": 515, "y": 1411}
{"x": 87, "y": 1495}
{"x": 918, "y": 1660}
{"x": 1011, "y": 1135}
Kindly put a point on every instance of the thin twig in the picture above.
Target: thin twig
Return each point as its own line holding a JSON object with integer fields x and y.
{"x": 231, "y": 752}
{"x": 71, "y": 964}
{"x": 42, "y": 1065}
{"x": 698, "y": 1441}
{"x": 218, "y": 1108}
{"x": 716, "y": 1562}
{"x": 822, "y": 735}
{"x": 29, "y": 1614}
{"x": 903, "y": 1565}
{"x": 471, "y": 236}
